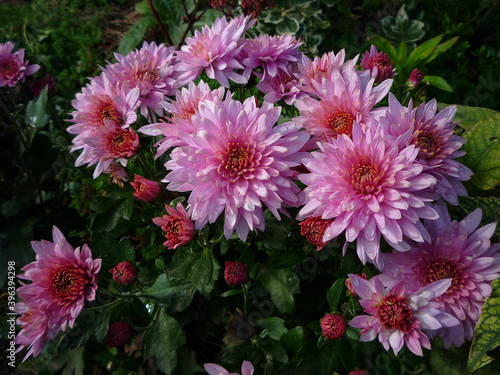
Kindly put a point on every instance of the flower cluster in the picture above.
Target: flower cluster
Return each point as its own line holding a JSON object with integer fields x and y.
{"x": 60, "y": 281}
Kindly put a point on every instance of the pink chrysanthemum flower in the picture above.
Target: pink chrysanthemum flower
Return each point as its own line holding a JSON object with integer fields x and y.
{"x": 177, "y": 225}
{"x": 458, "y": 251}
{"x": 106, "y": 145}
{"x": 310, "y": 71}
{"x": 274, "y": 54}
{"x": 13, "y": 68}
{"x": 145, "y": 190}
{"x": 213, "y": 369}
{"x": 216, "y": 50}
{"x": 313, "y": 229}
{"x": 432, "y": 134}
{"x": 398, "y": 317}
{"x": 237, "y": 160}
{"x": 284, "y": 85}
{"x": 378, "y": 64}
{"x": 370, "y": 188}
{"x": 153, "y": 69}
{"x": 182, "y": 109}
{"x": 343, "y": 99}
{"x": 61, "y": 279}
{"x": 117, "y": 174}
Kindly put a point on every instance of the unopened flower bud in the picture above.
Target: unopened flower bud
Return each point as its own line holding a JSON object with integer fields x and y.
{"x": 415, "y": 79}
{"x": 124, "y": 273}
{"x": 313, "y": 229}
{"x": 145, "y": 190}
{"x": 348, "y": 284}
{"x": 236, "y": 273}
{"x": 118, "y": 334}
{"x": 333, "y": 326}
{"x": 359, "y": 372}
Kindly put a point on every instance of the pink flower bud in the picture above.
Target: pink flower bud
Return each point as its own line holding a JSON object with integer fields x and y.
{"x": 415, "y": 79}
{"x": 236, "y": 273}
{"x": 359, "y": 372}
{"x": 177, "y": 225}
{"x": 378, "y": 64}
{"x": 333, "y": 326}
{"x": 349, "y": 285}
{"x": 124, "y": 273}
{"x": 118, "y": 334}
{"x": 38, "y": 85}
{"x": 313, "y": 229}
{"x": 145, "y": 190}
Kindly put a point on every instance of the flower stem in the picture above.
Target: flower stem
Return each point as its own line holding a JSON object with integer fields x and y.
{"x": 111, "y": 304}
{"x": 245, "y": 298}
{"x": 158, "y": 20}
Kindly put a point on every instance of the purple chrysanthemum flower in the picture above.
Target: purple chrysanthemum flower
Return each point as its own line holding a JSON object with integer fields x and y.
{"x": 214, "y": 369}
{"x": 274, "y": 54}
{"x": 437, "y": 146}
{"x": 153, "y": 69}
{"x": 343, "y": 99}
{"x": 458, "y": 251}
{"x": 398, "y": 317}
{"x": 370, "y": 188}
{"x": 181, "y": 109}
{"x": 61, "y": 279}
{"x": 235, "y": 161}
{"x": 13, "y": 68}
{"x": 284, "y": 85}
{"x": 378, "y": 64}
{"x": 216, "y": 50}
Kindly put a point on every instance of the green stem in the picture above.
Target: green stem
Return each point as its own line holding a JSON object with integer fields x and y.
{"x": 111, "y": 304}
{"x": 245, "y": 298}
{"x": 152, "y": 323}
{"x": 118, "y": 295}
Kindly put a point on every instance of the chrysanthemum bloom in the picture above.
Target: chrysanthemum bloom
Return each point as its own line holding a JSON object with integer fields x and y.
{"x": 255, "y": 7}
{"x": 108, "y": 144}
{"x": 378, "y": 64}
{"x": 213, "y": 369}
{"x": 274, "y": 54}
{"x": 145, "y": 190}
{"x": 350, "y": 289}
{"x": 182, "y": 109}
{"x": 398, "y": 317}
{"x": 370, "y": 188}
{"x": 284, "y": 85}
{"x": 118, "y": 174}
{"x": 124, "y": 273}
{"x": 310, "y": 71}
{"x": 313, "y": 229}
{"x": 416, "y": 77}
{"x": 432, "y": 135}
{"x": 216, "y": 50}
{"x": 62, "y": 278}
{"x": 458, "y": 251}
{"x": 35, "y": 331}
{"x": 118, "y": 334}
{"x": 333, "y": 326}
{"x": 235, "y": 273}
{"x": 153, "y": 69}
{"x": 177, "y": 225}
{"x": 345, "y": 98}
{"x": 13, "y": 68}
{"x": 237, "y": 160}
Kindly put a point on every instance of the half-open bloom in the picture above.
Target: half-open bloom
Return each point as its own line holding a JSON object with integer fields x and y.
{"x": 378, "y": 64}
{"x": 398, "y": 317}
{"x": 177, "y": 225}
{"x": 13, "y": 68}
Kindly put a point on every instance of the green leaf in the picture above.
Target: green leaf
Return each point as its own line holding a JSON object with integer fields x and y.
{"x": 167, "y": 290}
{"x": 469, "y": 116}
{"x": 275, "y": 326}
{"x": 282, "y": 285}
{"x": 402, "y": 19}
{"x": 486, "y": 332}
{"x": 384, "y": 45}
{"x": 288, "y": 26}
{"x": 418, "y": 57}
{"x": 232, "y": 292}
{"x": 274, "y": 16}
{"x": 414, "y": 31}
{"x": 292, "y": 340}
{"x": 483, "y": 152}
{"x": 111, "y": 251}
{"x": 489, "y": 205}
{"x": 162, "y": 341}
{"x": 111, "y": 210}
{"x": 402, "y": 52}
{"x": 276, "y": 233}
{"x": 335, "y": 294}
{"x": 439, "y": 82}
{"x": 36, "y": 115}
{"x": 276, "y": 351}
{"x": 135, "y": 35}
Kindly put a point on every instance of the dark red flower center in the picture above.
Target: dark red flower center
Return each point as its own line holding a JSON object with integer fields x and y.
{"x": 428, "y": 142}
{"x": 148, "y": 75}
{"x": 440, "y": 269}
{"x": 341, "y": 123}
{"x": 238, "y": 160}
{"x": 122, "y": 143}
{"x": 395, "y": 313}
{"x": 69, "y": 283}
{"x": 173, "y": 229}
{"x": 9, "y": 69}
{"x": 365, "y": 176}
